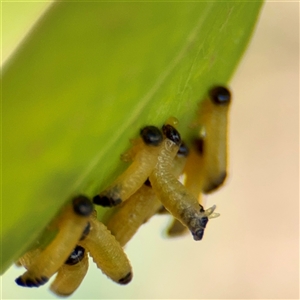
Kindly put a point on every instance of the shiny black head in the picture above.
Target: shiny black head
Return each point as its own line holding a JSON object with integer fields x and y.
{"x": 220, "y": 95}
{"x": 151, "y": 135}
{"x": 76, "y": 256}
{"x": 172, "y": 134}
{"x": 82, "y": 206}
{"x": 198, "y": 235}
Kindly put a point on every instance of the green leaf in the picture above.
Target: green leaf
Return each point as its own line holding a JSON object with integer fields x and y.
{"x": 84, "y": 82}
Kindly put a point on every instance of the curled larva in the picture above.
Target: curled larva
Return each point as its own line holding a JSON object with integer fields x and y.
{"x": 107, "y": 252}
{"x": 71, "y": 273}
{"x": 213, "y": 116}
{"x": 137, "y": 173}
{"x": 173, "y": 195}
{"x": 71, "y": 223}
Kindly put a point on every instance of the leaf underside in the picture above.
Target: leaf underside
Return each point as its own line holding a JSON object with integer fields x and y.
{"x": 86, "y": 79}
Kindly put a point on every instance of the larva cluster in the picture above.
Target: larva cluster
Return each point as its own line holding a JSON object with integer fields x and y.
{"x": 149, "y": 186}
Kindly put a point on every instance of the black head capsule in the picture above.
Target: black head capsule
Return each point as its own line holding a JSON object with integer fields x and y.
{"x": 126, "y": 279}
{"x": 172, "y": 134}
{"x": 106, "y": 201}
{"x": 183, "y": 150}
{"x": 151, "y": 135}
{"x": 198, "y": 235}
{"x": 220, "y": 95}
{"x": 76, "y": 256}
{"x": 82, "y": 205}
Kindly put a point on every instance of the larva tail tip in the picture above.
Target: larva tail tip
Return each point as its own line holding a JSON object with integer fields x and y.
{"x": 30, "y": 283}
{"x": 106, "y": 201}
{"x": 126, "y": 279}
{"x": 19, "y": 281}
{"x": 215, "y": 183}
{"x": 82, "y": 205}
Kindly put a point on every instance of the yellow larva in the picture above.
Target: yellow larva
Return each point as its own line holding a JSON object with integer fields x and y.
{"x": 137, "y": 173}
{"x": 141, "y": 206}
{"x": 193, "y": 171}
{"x": 173, "y": 195}
{"x": 213, "y": 116}
{"x": 107, "y": 252}
{"x": 71, "y": 224}
{"x": 71, "y": 273}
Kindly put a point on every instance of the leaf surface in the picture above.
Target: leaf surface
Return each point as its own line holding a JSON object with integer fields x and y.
{"x": 86, "y": 79}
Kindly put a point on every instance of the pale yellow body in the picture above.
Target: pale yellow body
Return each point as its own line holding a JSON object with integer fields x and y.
{"x": 27, "y": 259}
{"x": 69, "y": 277}
{"x": 106, "y": 251}
{"x": 135, "y": 175}
{"x": 214, "y": 118}
{"x": 47, "y": 263}
{"x": 173, "y": 195}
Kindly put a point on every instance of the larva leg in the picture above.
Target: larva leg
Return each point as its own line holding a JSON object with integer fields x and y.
{"x": 137, "y": 173}
{"x": 214, "y": 119}
{"x": 71, "y": 224}
{"x": 173, "y": 195}
{"x": 71, "y": 273}
{"x": 142, "y": 205}
{"x": 107, "y": 253}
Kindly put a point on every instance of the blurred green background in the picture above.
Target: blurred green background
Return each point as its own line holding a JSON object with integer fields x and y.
{"x": 251, "y": 250}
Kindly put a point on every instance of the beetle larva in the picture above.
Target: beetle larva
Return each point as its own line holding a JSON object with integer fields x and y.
{"x": 213, "y": 116}
{"x": 173, "y": 195}
{"x": 71, "y": 273}
{"x": 71, "y": 224}
{"x": 107, "y": 252}
{"x": 137, "y": 173}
